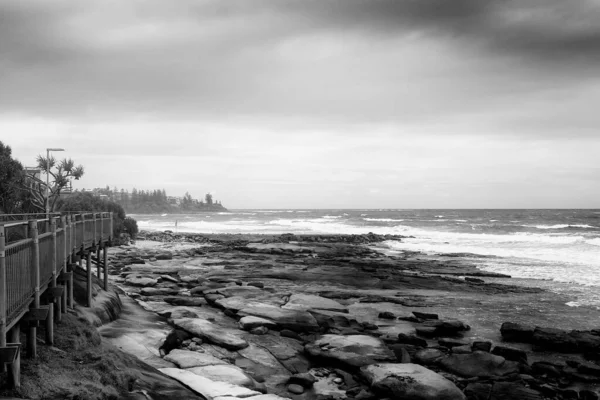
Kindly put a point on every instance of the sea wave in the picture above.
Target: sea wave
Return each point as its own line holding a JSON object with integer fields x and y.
{"x": 561, "y": 226}
{"x": 594, "y": 242}
{"x": 382, "y": 219}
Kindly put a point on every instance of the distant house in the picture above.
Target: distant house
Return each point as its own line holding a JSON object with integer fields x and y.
{"x": 173, "y": 200}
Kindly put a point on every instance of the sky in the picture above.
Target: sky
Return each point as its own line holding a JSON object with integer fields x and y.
{"x": 312, "y": 103}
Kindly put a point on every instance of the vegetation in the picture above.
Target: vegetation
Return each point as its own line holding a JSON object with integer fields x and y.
{"x": 61, "y": 173}
{"x": 156, "y": 201}
{"x": 82, "y": 201}
{"x": 131, "y": 226}
{"x": 11, "y": 181}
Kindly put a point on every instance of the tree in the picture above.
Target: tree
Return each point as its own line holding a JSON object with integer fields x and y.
{"x": 209, "y": 199}
{"x": 61, "y": 174}
{"x": 11, "y": 181}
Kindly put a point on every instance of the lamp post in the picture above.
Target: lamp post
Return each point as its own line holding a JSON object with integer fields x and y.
{"x": 48, "y": 180}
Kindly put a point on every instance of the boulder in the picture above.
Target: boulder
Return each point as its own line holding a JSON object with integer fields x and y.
{"x": 586, "y": 340}
{"x": 295, "y": 320}
{"x": 410, "y": 382}
{"x": 513, "y": 332}
{"x": 211, "y": 333}
{"x": 174, "y": 340}
{"x": 554, "y": 339}
{"x": 510, "y": 353}
{"x": 303, "y": 379}
{"x": 481, "y": 346}
{"x": 189, "y": 359}
{"x": 248, "y": 323}
{"x": 429, "y": 356}
{"x": 444, "y": 327}
{"x": 351, "y": 351}
{"x": 386, "y": 315}
{"x": 313, "y": 302}
{"x": 478, "y": 364}
{"x": 422, "y": 315}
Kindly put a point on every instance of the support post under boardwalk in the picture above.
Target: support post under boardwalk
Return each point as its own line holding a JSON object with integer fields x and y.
{"x": 88, "y": 262}
{"x": 35, "y": 265}
{"x": 15, "y": 367}
{"x": 105, "y": 263}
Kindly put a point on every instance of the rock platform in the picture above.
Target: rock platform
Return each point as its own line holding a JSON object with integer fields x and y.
{"x": 336, "y": 317}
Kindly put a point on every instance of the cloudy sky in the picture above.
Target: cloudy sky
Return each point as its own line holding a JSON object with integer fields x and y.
{"x": 313, "y": 103}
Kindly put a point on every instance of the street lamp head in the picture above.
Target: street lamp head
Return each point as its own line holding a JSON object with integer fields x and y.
{"x": 55, "y": 149}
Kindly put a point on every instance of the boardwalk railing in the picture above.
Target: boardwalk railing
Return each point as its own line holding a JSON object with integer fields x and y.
{"x": 35, "y": 256}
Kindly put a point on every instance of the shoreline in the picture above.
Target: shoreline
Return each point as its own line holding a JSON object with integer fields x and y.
{"x": 286, "y": 265}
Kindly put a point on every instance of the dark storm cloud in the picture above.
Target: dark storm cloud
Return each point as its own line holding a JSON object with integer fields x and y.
{"x": 258, "y": 59}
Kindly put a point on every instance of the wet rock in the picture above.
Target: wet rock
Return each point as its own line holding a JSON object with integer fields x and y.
{"x": 174, "y": 340}
{"x": 481, "y": 346}
{"x": 259, "y": 285}
{"x": 211, "y": 333}
{"x": 295, "y": 320}
{"x": 350, "y": 351}
{"x": 411, "y": 339}
{"x": 422, "y": 315}
{"x": 185, "y": 301}
{"x": 295, "y": 389}
{"x": 554, "y": 339}
{"x": 248, "y": 323}
{"x": 260, "y": 330}
{"x": 410, "y": 382}
{"x": 478, "y": 364}
{"x": 429, "y": 356}
{"x": 443, "y": 327}
{"x": 304, "y": 379}
{"x": 386, "y": 315}
{"x": 207, "y": 387}
{"x": 513, "y": 391}
{"x": 299, "y": 301}
{"x": 290, "y": 334}
{"x": 510, "y": 353}
{"x": 478, "y": 391}
{"x": 138, "y": 280}
{"x": 152, "y": 291}
{"x": 513, "y": 332}
{"x": 450, "y": 343}
{"x": 462, "y": 349}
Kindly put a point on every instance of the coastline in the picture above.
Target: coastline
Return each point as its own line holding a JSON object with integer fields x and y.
{"x": 293, "y": 265}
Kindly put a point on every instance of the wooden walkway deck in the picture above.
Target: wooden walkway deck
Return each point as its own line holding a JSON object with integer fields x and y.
{"x": 37, "y": 260}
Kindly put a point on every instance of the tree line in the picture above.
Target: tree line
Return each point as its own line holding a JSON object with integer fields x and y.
{"x": 157, "y": 201}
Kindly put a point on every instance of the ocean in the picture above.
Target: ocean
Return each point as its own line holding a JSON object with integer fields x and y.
{"x": 555, "y": 249}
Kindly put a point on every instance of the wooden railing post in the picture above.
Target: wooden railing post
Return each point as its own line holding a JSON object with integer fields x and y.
{"x": 88, "y": 266}
{"x": 51, "y": 300}
{"x": 63, "y": 299}
{"x": 35, "y": 265}
{"x": 111, "y": 232}
{"x": 3, "y": 298}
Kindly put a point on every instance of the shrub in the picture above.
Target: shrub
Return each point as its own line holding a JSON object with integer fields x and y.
{"x": 131, "y": 227}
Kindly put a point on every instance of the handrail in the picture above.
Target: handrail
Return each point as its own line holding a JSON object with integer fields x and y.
{"x": 23, "y": 273}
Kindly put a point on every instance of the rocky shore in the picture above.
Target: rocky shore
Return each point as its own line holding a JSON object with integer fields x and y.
{"x": 336, "y": 317}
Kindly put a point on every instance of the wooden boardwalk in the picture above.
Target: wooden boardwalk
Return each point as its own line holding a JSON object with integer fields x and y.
{"x": 37, "y": 260}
